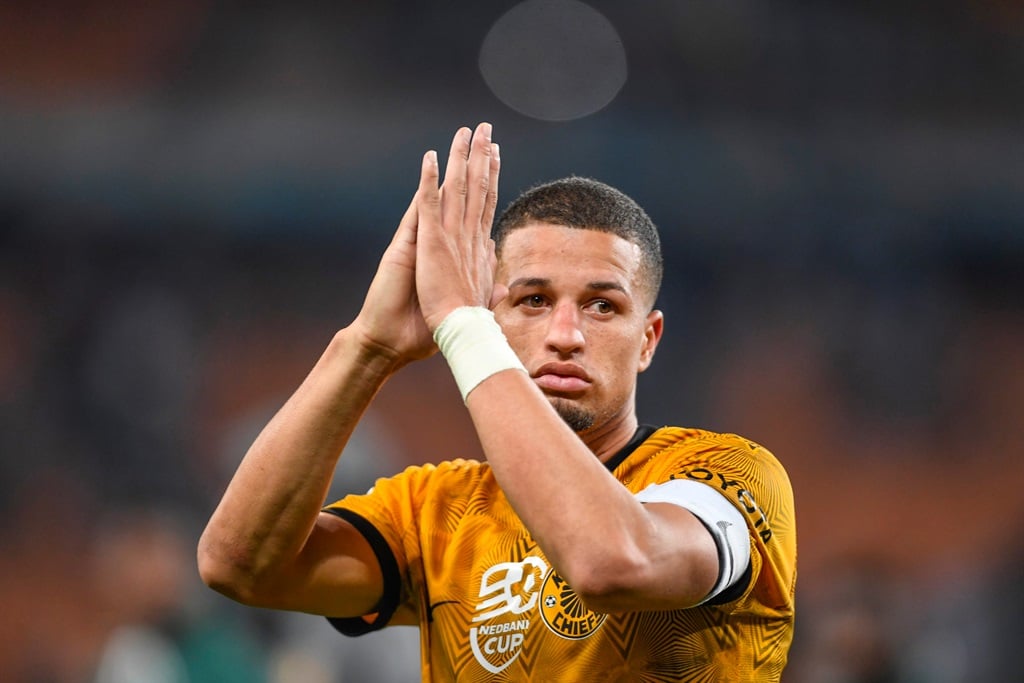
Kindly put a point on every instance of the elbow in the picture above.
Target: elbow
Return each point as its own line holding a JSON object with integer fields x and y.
{"x": 609, "y": 585}
{"x": 629, "y": 582}
{"x": 229, "y": 577}
{"x": 215, "y": 575}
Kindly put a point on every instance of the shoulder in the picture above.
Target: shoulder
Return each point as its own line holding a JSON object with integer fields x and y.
{"x": 447, "y": 470}
{"x": 423, "y": 495}
{"x": 743, "y": 471}
{"x": 451, "y": 477}
{"x": 701, "y": 440}
{"x": 701, "y": 449}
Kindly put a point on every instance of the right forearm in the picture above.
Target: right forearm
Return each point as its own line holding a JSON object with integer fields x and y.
{"x": 272, "y": 502}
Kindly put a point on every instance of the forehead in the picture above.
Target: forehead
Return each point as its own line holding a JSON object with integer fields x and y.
{"x": 547, "y": 250}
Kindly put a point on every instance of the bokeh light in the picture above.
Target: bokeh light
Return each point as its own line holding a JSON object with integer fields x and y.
{"x": 554, "y": 60}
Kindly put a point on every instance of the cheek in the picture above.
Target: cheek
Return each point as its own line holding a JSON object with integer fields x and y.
{"x": 518, "y": 334}
{"x": 624, "y": 354}
{"x": 637, "y": 358}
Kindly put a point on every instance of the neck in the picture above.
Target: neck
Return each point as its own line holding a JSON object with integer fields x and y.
{"x": 609, "y": 438}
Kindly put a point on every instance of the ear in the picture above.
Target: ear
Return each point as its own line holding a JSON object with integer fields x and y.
{"x": 654, "y": 326}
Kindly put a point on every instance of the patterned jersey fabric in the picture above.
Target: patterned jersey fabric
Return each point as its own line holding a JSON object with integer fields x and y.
{"x": 492, "y": 608}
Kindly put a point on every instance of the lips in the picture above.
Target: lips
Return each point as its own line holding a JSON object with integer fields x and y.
{"x": 562, "y": 378}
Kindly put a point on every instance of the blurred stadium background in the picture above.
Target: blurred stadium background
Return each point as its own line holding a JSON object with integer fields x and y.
{"x": 194, "y": 193}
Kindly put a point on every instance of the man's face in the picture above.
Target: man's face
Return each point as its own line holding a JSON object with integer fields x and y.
{"x": 577, "y": 315}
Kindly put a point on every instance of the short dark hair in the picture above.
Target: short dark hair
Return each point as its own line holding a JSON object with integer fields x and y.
{"x": 585, "y": 203}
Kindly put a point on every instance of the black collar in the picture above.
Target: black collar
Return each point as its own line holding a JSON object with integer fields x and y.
{"x": 639, "y": 436}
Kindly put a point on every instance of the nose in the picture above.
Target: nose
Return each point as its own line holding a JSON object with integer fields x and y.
{"x": 565, "y": 334}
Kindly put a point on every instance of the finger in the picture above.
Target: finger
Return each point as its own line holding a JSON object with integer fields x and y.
{"x": 454, "y": 190}
{"x": 428, "y": 196}
{"x": 491, "y": 203}
{"x": 479, "y": 179}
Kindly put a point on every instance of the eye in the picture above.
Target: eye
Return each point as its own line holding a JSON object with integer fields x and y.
{"x": 601, "y": 307}
{"x": 532, "y": 301}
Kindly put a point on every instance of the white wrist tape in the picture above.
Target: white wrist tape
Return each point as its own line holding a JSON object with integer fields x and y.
{"x": 474, "y": 346}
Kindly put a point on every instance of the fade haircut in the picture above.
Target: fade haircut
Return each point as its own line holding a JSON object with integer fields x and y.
{"x": 585, "y": 203}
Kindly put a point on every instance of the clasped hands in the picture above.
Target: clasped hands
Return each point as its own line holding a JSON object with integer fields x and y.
{"x": 441, "y": 256}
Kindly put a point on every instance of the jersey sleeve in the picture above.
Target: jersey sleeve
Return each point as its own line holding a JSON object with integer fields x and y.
{"x": 387, "y": 517}
{"x": 755, "y": 483}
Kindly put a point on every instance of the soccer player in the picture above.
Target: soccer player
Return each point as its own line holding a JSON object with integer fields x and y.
{"x": 588, "y": 546}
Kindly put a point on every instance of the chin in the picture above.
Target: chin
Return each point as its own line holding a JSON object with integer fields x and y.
{"x": 578, "y": 419}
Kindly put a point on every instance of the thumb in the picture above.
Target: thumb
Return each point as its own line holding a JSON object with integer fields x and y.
{"x": 498, "y": 290}
{"x": 407, "y": 227}
{"x": 498, "y": 294}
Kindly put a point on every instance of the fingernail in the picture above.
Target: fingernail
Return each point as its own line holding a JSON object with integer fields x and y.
{"x": 486, "y": 130}
{"x": 496, "y": 151}
{"x": 432, "y": 158}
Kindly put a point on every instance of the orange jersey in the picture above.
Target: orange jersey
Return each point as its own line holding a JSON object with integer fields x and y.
{"x": 491, "y": 607}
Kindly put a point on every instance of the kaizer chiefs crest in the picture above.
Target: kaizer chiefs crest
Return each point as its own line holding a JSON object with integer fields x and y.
{"x": 564, "y": 613}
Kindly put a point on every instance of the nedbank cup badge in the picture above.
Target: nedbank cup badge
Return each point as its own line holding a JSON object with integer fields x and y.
{"x": 564, "y": 613}
{"x": 511, "y": 595}
{"x": 508, "y": 592}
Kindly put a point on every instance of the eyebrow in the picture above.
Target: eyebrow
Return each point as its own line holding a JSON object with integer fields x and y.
{"x": 530, "y": 282}
{"x": 598, "y": 286}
